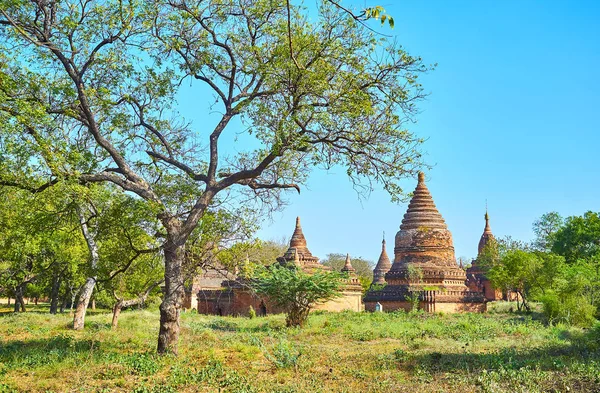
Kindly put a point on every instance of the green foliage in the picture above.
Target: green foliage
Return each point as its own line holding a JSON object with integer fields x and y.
{"x": 568, "y": 309}
{"x": 378, "y": 12}
{"x": 296, "y": 291}
{"x": 567, "y": 291}
{"x": 251, "y": 312}
{"x": 545, "y": 229}
{"x": 282, "y": 354}
{"x": 578, "y": 238}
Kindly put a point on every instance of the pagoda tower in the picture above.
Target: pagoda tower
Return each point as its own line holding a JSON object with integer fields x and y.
{"x": 383, "y": 266}
{"x": 298, "y": 252}
{"x": 476, "y": 278}
{"x": 487, "y": 236}
{"x": 424, "y": 263}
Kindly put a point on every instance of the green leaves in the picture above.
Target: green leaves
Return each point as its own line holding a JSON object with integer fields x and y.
{"x": 378, "y": 12}
{"x": 296, "y": 291}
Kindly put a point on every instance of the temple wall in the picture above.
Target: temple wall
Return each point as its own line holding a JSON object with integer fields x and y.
{"x": 233, "y": 302}
{"x": 238, "y": 302}
{"x": 349, "y": 301}
{"x": 429, "y": 307}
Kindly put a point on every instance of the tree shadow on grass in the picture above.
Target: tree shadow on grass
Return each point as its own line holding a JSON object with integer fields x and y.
{"x": 36, "y": 353}
{"x": 578, "y": 358}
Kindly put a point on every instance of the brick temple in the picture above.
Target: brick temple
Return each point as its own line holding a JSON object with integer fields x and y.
{"x": 424, "y": 269}
{"x": 234, "y": 297}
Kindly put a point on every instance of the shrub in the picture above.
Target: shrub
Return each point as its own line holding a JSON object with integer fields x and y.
{"x": 571, "y": 310}
{"x": 296, "y": 291}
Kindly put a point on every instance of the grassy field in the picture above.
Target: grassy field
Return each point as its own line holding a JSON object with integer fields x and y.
{"x": 345, "y": 352}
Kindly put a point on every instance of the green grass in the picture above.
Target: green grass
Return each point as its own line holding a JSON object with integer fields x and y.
{"x": 344, "y": 352}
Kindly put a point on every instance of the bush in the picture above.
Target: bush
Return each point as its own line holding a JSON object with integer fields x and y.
{"x": 571, "y": 310}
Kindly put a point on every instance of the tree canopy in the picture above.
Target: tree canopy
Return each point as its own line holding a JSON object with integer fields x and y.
{"x": 88, "y": 94}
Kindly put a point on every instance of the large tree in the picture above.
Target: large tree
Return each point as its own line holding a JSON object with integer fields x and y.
{"x": 89, "y": 90}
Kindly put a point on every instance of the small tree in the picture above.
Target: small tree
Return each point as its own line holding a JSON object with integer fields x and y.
{"x": 295, "y": 291}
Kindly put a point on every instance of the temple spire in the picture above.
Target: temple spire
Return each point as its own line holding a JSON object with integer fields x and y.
{"x": 422, "y": 212}
{"x": 487, "y": 233}
{"x": 348, "y": 265}
{"x": 383, "y": 265}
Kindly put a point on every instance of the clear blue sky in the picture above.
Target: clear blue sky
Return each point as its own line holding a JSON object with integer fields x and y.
{"x": 513, "y": 117}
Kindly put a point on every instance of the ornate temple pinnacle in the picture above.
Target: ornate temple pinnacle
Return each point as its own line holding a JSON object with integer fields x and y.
{"x": 298, "y": 239}
{"x": 421, "y": 177}
{"x": 487, "y": 234}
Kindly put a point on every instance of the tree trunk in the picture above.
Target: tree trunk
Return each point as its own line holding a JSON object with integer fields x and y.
{"x": 116, "y": 312}
{"x": 19, "y": 301}
{"x": 83, "y": 302}
{"x": 168, "y": 335}
{"x": 9, "y": 300}
{"x": 88, "y": 287}
{"x": 73, "y": 296}
{"x": 93, "y": 304}
{"x": 54, "y": 293}
{"x": 121, "y": 303}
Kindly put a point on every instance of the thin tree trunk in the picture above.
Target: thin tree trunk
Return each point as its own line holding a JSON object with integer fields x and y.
{"x": 93, "y": 304}
{"x": 54, "y": 293}
{"x": 121, "y": 303}
{"x": 9, "y": 300}
{"x": 168, "y": 335}
{"x": 73, "y": 296}
{"x": 83, "y": 302}
{"x": 90, "y": 283}
{"x": 19, "y": 301}
{"x": 116, "y": 312}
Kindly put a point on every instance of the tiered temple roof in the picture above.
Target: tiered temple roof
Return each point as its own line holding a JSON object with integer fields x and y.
{"x": 424, "y": 242}
{"x": 298, "y": 252}
{"x": 423, "y": 258}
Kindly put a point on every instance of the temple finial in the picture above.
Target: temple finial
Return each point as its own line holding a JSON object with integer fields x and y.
{"x": 297, "y": 221}
{"x": 421, "y": 177}
{"x": 348, "y": 265}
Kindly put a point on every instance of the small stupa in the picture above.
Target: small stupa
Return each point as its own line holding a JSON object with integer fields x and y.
{"x": 476, "y": 274}
{"x": 298, "y": 252}
{"x": 383, "y": 266}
